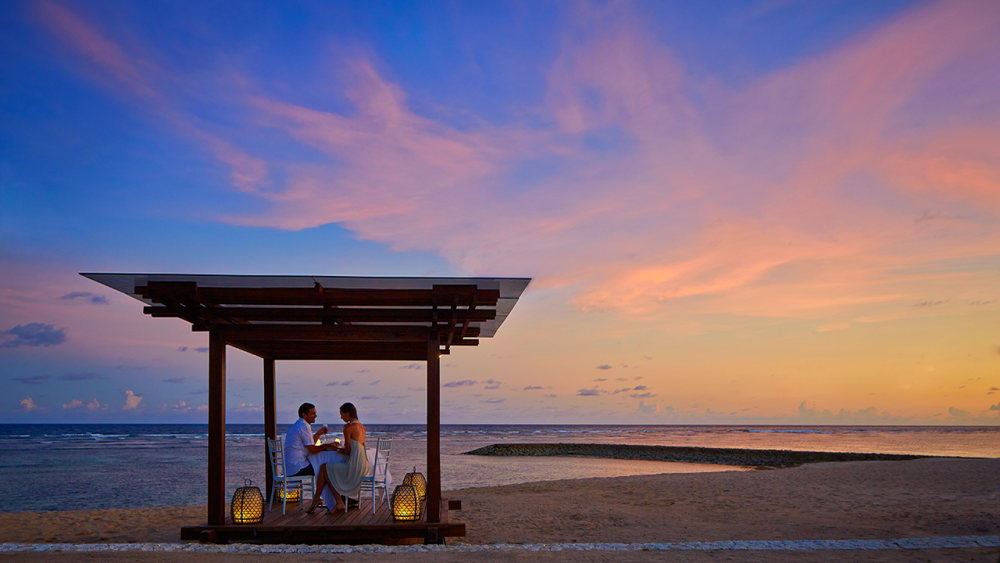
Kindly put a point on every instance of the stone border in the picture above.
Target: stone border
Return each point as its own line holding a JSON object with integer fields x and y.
{"x": 953, "y": 542}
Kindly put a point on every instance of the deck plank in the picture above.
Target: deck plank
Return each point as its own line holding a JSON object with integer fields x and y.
{"x": 356, "y": 526}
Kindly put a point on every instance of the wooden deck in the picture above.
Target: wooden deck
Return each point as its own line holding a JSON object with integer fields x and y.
{"x": 358, "y": 526}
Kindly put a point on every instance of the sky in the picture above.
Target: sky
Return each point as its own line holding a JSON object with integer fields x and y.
{"x": 753, "y": 212}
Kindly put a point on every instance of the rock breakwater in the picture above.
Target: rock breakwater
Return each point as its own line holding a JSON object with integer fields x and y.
{"x": 718, "y": 456}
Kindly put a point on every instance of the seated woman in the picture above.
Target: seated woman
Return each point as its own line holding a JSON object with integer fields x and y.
{"x": 344, "y": 475}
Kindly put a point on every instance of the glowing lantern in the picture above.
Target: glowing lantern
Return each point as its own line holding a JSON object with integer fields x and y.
{"x": 247, "y": 505}
{"x": 405, "y": 503}
{"x": 417, "y": 481}
{"x": 294, "y": 495}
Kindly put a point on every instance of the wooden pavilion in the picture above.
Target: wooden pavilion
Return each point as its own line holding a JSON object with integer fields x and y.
{"x": 324, "y": 318}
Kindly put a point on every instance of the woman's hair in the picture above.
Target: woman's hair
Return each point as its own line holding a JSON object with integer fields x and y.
{"x": 304, "y": 409}
{"x": 349, "y": 409}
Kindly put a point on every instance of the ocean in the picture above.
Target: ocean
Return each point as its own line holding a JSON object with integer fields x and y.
{"x": 97, "y": 466}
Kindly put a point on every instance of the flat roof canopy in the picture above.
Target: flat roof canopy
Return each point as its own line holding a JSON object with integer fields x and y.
{"x": 328, "y": 317}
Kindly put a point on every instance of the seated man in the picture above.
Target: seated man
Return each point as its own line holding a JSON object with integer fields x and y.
{"x": 300, "y": 442}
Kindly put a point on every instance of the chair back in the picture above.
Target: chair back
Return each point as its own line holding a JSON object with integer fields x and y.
{"x": 276, "y": 455}
{"x": 382, "y": 450}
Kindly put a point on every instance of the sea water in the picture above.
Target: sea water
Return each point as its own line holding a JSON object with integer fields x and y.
{"x": 94, "y": 466}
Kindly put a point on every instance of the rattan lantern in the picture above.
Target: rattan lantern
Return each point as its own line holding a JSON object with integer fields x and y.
{"x": 418, "y": 482}
{"x": 405, "y": 503}
{"x": 293, "y": 495}
{"x": 247, "y": 505}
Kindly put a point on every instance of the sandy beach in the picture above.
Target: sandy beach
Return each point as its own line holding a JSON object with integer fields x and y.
{"x": 931, "y": 497}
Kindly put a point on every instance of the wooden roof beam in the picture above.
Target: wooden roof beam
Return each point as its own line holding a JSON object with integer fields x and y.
{"x": 322, "y": 314}
{"x": 406, "y": 351}
{"x": 325, "y": 333}
{"x": 340, "y": 297}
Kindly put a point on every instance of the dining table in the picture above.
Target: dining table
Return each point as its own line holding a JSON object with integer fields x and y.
{"x": 318, "y": 459}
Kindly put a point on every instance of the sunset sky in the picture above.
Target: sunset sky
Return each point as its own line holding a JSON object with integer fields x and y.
{"x": 771, "y": 212}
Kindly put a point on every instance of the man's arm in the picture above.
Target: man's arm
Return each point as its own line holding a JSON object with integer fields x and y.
{"x": 310, "y": 446}
{"x": 319, "y": 433}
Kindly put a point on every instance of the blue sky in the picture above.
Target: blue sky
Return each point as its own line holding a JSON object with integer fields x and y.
{"x": 733, "y": 212}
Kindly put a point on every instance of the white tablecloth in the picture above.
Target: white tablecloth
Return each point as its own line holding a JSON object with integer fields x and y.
{"x": 317, "y": 460}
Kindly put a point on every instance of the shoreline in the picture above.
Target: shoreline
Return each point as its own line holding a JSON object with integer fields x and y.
{"x": 686, "y": 454}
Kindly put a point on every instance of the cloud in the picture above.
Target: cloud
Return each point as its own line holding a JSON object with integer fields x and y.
{"x": 181, "y": 406}
{"x": 493, "y": 401}
{"x": 643, "y": 408}
{"x": 340, "y": 383}
{"x": 131, "y": 401}
{"x": 122, "y": 71}
{"x": 174, "y": 380}
{"x": 604, "y": 366}
{"x": 995, "y": 407}
{"x": 81, "y": 376}
{"x": 755, "y": 211}
{"x": 786, "y": 194}
{"x": 375, "y": 382}
{"x": 184, "y": 407}
{"x": 532, "y": 387}
{"x": 642, "y": 395}
{"x": 93, "y": 406}
{"x": 201, "y": 349}
{"x": 460, "y": 383}
{"x": 588, "y": 393}
{"x": 599, "y": 379}
{"x": 492, "y": 384}
{"x": 32, "y": 334}
{"x": 639, "y": 388}
{"x": 28, "y": 403}
{"x": 992, "y": 390}
{"x": 413, "y": 366}
{"x": 33, "y": 379}
{"x": 93, "y": 298}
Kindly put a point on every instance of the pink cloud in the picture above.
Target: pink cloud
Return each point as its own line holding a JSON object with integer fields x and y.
{"x": 782, "y": 199}
{"x": 802, "y": 191}
{"x": 115, "y": 67}
{"x": 131, "y": 401}
{"x": 108, "y": 58}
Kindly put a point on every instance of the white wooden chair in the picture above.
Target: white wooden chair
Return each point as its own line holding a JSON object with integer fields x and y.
{"x": 379, "y": 477}
{"x": 281, "y": 480}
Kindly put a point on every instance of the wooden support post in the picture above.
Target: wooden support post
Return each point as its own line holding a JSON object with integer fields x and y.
{"x": 433, "y": 429}
{"x": 270, "y": 421}
{"x": 216, "y": 429}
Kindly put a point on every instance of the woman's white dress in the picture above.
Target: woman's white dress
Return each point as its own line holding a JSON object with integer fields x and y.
{"x": 346, "y": 475}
